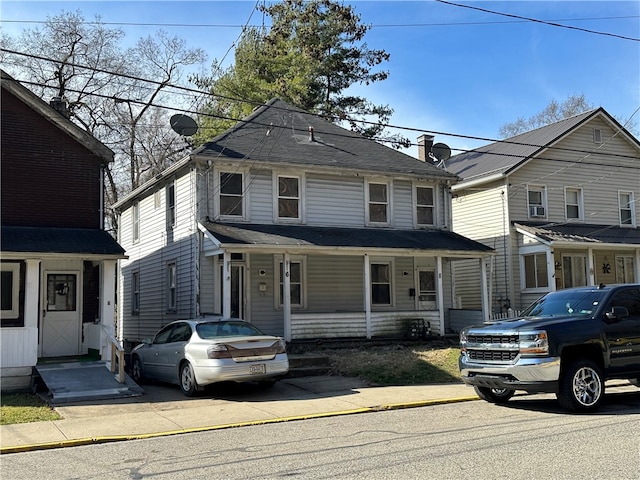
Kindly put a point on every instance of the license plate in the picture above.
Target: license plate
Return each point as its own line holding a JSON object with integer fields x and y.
{"x": 257, "y": 369}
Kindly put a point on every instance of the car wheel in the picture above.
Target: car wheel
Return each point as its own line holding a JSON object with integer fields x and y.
{"x": 136, "y": 369}
{"x": 581, "y": 386}
{"x": 188, "y": 380}
{"x": 494, "y": 395}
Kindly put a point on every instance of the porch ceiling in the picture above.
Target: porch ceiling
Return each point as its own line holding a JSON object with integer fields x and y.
{"x": 332, "y": 237}
{"x": 582, "y": 234}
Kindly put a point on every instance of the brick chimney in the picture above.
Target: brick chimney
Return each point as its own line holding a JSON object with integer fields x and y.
{"x": 60, "y": 106}
{"x": 425, "y": 142}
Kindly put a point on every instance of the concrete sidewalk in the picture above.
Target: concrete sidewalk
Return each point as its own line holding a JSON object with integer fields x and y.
{"x": 163, "y": 410}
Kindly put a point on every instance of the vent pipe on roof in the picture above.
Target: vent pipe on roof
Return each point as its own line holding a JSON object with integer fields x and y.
{"x": 312, "y": 138}
{"x": 425, "y": 142}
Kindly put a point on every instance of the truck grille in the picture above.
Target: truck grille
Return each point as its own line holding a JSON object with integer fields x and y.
{"x": 492, "y": 355}
{"x": 499, "y": 339}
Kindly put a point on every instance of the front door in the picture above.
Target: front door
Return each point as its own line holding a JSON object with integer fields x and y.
{"x": 61, "y": 320}
{"x": 426, "y": 289}
{"x": 237, "y": 290}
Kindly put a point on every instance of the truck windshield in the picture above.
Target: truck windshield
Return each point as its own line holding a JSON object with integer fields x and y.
{"x": 565, "y": 302}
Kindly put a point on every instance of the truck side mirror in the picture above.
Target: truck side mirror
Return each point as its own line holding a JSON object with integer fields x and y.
{"x": 616, "y": 313}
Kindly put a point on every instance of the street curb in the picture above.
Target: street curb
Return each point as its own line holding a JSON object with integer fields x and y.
{"x": 121, "y": 438}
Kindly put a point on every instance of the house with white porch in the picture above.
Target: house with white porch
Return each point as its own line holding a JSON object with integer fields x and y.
{"x": 303, "y": 228}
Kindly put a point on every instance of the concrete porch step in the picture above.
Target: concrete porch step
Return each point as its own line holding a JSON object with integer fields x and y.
{"x": 308, "y": 365}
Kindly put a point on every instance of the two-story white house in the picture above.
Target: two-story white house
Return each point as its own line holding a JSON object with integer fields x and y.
{"x": 559, "y": 204}
{"x": 297, "y": 225}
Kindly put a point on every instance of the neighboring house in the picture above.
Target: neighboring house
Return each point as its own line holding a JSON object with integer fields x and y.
{"x": 58, "y": 265}
{"x": 299, "y": 226}
{"x": 559, "y": 204}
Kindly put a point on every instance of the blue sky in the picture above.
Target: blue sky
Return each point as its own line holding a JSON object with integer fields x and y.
{"x": 452, "y": 69}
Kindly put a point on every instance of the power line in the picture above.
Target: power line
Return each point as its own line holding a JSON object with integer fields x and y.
{"x": 545, "y": 22}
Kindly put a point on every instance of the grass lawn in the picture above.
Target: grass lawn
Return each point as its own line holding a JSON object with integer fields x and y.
{"x": 25, "y": 408}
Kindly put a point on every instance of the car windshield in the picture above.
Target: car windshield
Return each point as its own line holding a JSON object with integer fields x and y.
{"x": 565, "y": 302}
{"x": 230, "y": 328}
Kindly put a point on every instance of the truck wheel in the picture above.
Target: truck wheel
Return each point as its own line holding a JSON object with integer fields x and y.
{"x": 581, "y": 386}
{"x": 494, "y": 395}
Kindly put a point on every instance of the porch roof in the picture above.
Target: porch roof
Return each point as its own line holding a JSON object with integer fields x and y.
{"x": 334, "y": 237}
{"x": 46, "y": 240}
{"x": 581, "y": 233}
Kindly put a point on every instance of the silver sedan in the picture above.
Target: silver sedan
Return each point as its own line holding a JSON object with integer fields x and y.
{"x": 196, "y": 353}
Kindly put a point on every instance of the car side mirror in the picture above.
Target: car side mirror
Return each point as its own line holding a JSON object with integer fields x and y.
{"x": 616, "y": 313}
{"x": 147, "y": 341}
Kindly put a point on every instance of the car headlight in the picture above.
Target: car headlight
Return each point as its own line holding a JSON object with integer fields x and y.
{"x": 534, "y": 343}
{"x": 463, "y": 340}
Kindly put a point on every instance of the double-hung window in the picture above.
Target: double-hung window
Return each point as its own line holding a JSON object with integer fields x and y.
{"x": 377, "y": 202}
{"x": 172, "y": 287}
{"x": 535, "y": 271}
{"x": 537, "y": 201}
{"x": 624, "y": 269}
{"x": 625, "y": 201}
{"x": 135, "y": 293}
{"x": 135, "y": 221}
{"x": 171, "y": 206}
{"x": 10, "y": 294}
{"x": 425, "y": 207}
{"x": 296, "y": 282}
{"x": 381, "y": 286}
{"x": 573, "y": 203}
{"x": 231, "y": 187}
{"x": 288, "y": 198}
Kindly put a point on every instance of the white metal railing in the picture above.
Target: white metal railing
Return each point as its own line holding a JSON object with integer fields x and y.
{"x": 510, "y": 313}
{"x": 117, "y": 351}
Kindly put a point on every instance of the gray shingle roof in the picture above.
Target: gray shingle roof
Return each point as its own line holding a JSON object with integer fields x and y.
{"x": 300, "y": 235}
{"x": 501, "y": 157}
{"x": 59, "y": 240}
{"x": 582, "y": 233}
{"x": 278, "y": 132}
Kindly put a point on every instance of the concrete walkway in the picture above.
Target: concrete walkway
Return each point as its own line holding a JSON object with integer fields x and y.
{"x": 163, "y": 410}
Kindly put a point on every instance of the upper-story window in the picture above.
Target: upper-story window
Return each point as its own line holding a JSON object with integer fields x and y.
{"x": 231, "y": 194}
{"x": 171, "y": 206}
{"x": 425, "y": 206}
{"x": 289, "y": 197}
{"x": 135, "y": 221}
{"x": 537, "y": 201}
{"x": 625, "y": 201}
{"x": 573, "y": 203}
{"x": 377, "y": 202}
{"x": 135, "y": 293}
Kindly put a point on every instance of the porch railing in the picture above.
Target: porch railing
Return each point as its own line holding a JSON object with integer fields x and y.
{"x": 117, "y": 352}
{"x": 510, "y": 313}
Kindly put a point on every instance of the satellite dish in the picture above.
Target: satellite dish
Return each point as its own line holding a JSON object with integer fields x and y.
{"x": 183, "y": 125}
{"x": 441, "y": 151}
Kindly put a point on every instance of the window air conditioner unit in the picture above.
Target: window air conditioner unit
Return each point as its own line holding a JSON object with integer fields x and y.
{"x": 536, "y": 211}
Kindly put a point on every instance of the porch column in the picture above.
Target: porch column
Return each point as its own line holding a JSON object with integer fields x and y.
{"x": 367, "y": 293}
{"x": 286, "y": 294}
{"x": 31, "y": 311}
{"x": 440, "y": 294}
{"x": 484, "y": 291}
{"x": 551, "y": 271}
{"x": 226, "y": 284}
{"x": 636, "y": 273}
{"x": 591, "y": 268}
{"x": 107, "y": 305}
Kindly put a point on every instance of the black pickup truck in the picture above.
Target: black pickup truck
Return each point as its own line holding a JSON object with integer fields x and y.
{"x": 568, "y": 342}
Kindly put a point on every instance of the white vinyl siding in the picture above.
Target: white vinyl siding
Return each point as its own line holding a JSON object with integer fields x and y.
{"x": 335, "y": 201}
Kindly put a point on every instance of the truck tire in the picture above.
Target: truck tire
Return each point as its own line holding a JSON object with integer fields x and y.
{"x": 581, "y": 386}
{"x": 494, "y": 395}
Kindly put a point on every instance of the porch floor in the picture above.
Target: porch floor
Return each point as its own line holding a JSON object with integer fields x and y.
{"x": 68, "y": 382}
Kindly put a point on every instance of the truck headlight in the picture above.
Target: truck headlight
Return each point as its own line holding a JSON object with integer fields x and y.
{"x": 534, "y": 343}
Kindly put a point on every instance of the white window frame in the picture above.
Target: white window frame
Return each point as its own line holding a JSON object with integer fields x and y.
{"x": 135, "y": 293}
{"x": 14, "y": 269}
{"x": 243, "y": 196}
{"x": 432, "y": 206}
{"x": 579, "y": 205}
{"x": 391, "y": 264}
{"x": 542, "y": 190}
{"x": 628, "y": 207}
{"x": 135, "y": 221}
{"x": 172, "y": 286}
{"x": 279, "y": 281}
{"x": 538, "y": 256}
{"x": 171, "y": 205}
{"x": 277, "y": 198}
{"x": 368, "y": 202}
